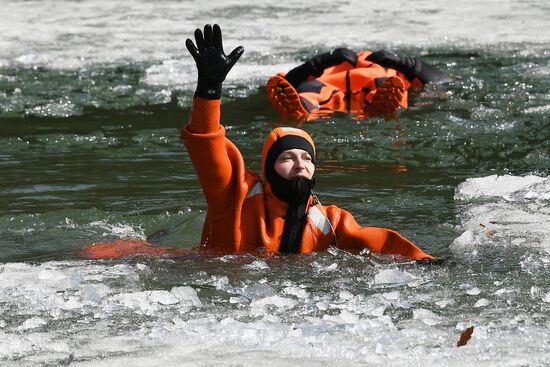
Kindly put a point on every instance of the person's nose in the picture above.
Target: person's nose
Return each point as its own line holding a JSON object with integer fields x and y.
{"x": 299, "y": 164}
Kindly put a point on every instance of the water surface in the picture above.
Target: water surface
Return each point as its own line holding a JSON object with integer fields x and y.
{"x": 92, "y": 97}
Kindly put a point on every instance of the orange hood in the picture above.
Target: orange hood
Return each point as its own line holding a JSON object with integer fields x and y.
{"x": 283, "y": 138}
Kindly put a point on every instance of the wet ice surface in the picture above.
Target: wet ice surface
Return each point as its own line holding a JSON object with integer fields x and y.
{"x": 245, "y": 309}
{"x": 300, "y": 310}
{"x": 504, "y": 211}
{"x": 66, "y": 33}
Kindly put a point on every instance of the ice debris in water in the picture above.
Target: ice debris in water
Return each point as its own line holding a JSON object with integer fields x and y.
{"x": 297, "y": 292}
{"x": 33, "y": 323}
{"x": 149, "y": 302}
{"x": 221, "y": 283}
{"x": 256, "y": 291}
{"x": 323, "y": 268}
{"x": 494, "y": 186}
{"x": 345, "y": 295}
{"x": 345, "y": 317}
{"x": 119, "y": 229}
{"x": 187, "y": 294}
{"x": 514, "y": 210}
{"x": 57, "y": 290}
{"x": 393, "y": 278}
{"x": 239, "y": 299}
{"x": 260, "y": 307}
{"x": 392, "y": 296}
{"x": 482, "y": 302}
{"x": 444, "y": 303}
{"x": 426, "y": 316}
{"x": 256, "y": 265}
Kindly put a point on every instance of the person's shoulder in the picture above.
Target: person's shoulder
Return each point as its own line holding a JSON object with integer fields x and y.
{"x": 330, "y": 211}
{"x": 252, "y": 177}
{"x": 254, "y": 184}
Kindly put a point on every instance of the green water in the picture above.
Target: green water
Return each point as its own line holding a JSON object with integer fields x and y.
{"x": 123, "y": 163}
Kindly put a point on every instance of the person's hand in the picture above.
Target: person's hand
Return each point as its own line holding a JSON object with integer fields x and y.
{"x": 212, "y": 63}
{"x": 411, "y": 67}
{"x": 342, "y": 54}
{"x": 325, "y": 60}
{"x": 407, "y": 65}
{"x": 386, "y": 59}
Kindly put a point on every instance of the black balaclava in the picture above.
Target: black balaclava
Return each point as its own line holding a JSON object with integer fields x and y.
{"x": 295, "y": 192}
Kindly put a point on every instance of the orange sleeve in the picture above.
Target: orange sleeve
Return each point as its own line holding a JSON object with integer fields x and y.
{"x": 352, "y": 236}
{"x": 217, "y": 161}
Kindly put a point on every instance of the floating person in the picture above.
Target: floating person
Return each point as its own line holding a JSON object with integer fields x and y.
{"x": 281, "y": 214}
{"x": 367, "y": 84}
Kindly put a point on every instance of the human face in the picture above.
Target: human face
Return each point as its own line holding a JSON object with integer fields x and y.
{"x": 294, "y": 163}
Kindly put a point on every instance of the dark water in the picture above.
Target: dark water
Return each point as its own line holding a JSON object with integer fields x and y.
{"x": 94, "y": 154}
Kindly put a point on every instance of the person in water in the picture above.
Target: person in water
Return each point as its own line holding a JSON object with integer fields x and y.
{"x": 281, "y": 214}
{"x": 366, "y": 83}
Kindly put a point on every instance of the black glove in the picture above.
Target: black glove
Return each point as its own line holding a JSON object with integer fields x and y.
{"x": 409, "y": 66}
{"x": 212, "y": 63}
{"x": 325, "y": 60}
{"x": 388, "y": 59}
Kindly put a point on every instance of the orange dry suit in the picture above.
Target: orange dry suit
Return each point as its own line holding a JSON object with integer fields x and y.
{"x": 343, "y": 87}
{"x": 244, "y": 213}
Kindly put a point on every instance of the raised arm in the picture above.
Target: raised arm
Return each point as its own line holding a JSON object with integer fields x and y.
{"x": 216, "y": 160}
{"x": 212, "y": 66}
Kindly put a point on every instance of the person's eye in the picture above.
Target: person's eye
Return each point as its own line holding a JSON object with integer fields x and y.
{"x": 307, "y": 158}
